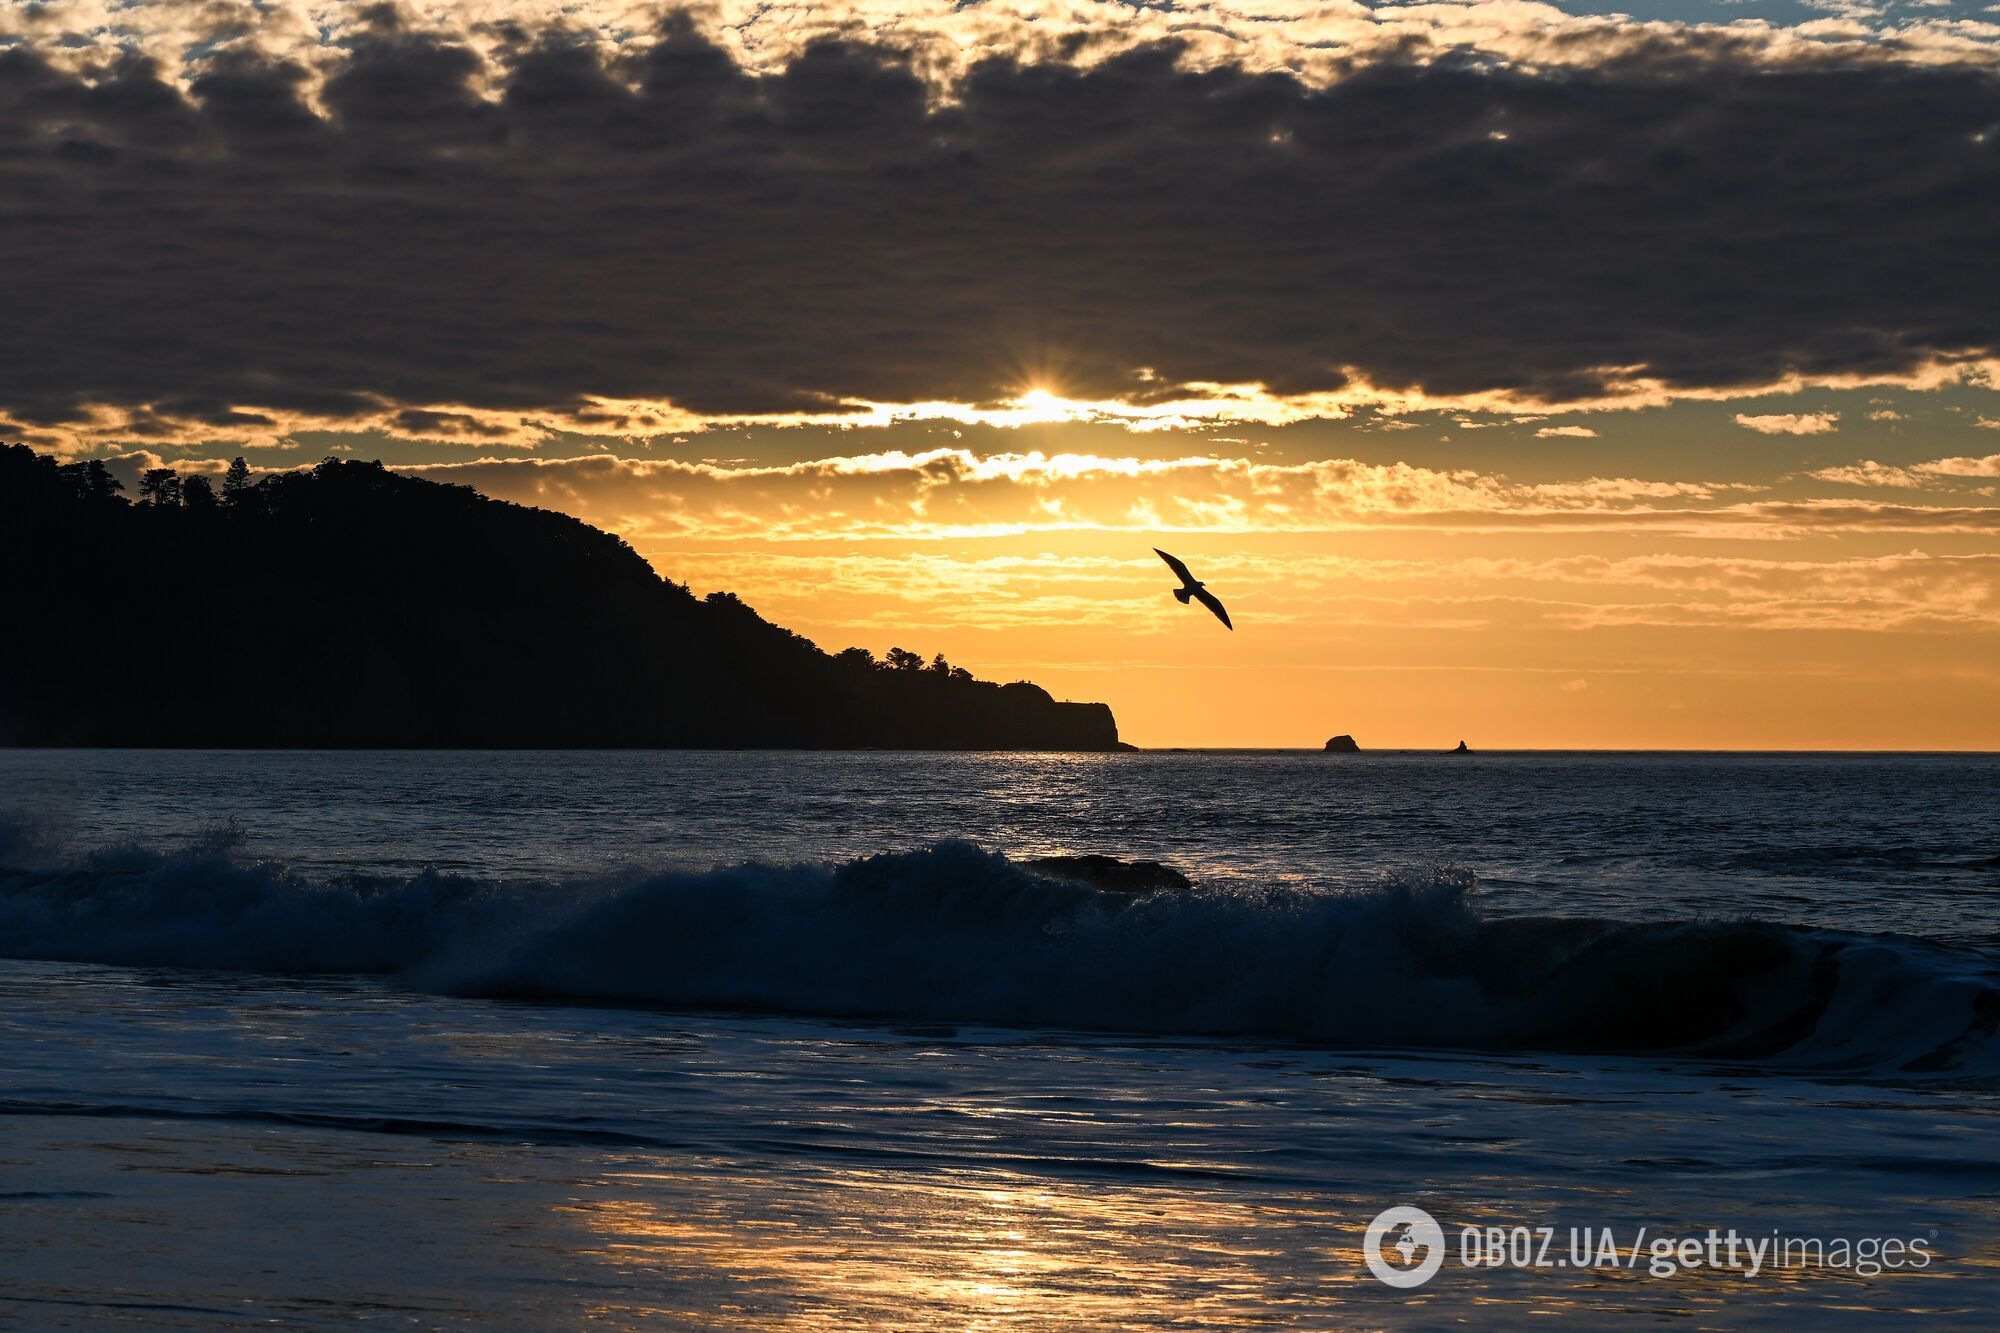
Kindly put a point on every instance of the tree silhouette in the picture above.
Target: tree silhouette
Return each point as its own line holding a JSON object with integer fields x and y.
{"x": 236, "y": 481}
{"x": 198, "y": 493}
{"x": 94, "y": 482}
{"x": 160, "y": 487}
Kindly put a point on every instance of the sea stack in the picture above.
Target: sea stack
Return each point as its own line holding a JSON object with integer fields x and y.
{"x": 1462, "y": 749}
{"x": 1343, "y": 745}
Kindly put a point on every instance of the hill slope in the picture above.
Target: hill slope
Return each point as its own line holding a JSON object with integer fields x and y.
{"x": 351, "y": 606}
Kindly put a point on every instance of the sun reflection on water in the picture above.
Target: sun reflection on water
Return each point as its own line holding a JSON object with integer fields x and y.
{"x": 826, "y": 1247}
{"x": 947, "y": 1249}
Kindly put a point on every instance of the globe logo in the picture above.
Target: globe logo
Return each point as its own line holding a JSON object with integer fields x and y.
{"x": 1404, "y": 1247}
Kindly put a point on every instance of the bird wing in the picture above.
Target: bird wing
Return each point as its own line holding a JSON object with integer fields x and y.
{"x": 1180, "y": 570}
{"x": 1213, "y": 603}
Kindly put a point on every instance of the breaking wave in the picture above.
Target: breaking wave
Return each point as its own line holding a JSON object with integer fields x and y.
{"x": 956, "y": 933}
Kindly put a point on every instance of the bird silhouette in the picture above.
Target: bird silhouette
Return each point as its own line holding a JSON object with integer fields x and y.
{"x": 1195, "y": 588}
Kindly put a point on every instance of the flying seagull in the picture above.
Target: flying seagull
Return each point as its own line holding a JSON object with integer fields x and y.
{"x": 1193, "y": 587}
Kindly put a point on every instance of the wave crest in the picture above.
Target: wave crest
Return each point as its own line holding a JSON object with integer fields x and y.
{"x": 956, "y": 933}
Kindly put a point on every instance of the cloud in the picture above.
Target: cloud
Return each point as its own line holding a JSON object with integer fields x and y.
{"x": 1910, "y": 590}
{"x": 1868, "y": 516}
{"x": 953, "y": 494}
{"x": 1988, "y": 466}
{"x": 1921, "y": 474}
{"x": 498, "y": 230}
{"x": 1870, "y": 473}
{"x": 1317, "y": 42}
{"x": 1579, "y": 432}
{"x": 1798, "y": 423}
{"x": 1902, "y": 591}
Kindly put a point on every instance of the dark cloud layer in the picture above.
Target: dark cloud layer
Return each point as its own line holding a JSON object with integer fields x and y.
{"x": 676, "y": 227}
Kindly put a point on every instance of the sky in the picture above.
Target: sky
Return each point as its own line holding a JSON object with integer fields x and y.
{"x": 1533, "y": 376}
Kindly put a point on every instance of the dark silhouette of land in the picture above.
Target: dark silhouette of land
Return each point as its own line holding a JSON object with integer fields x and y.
{"x": 351, "y": 606}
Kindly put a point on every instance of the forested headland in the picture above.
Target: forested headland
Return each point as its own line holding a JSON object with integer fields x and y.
{"x": 347, "y": 605}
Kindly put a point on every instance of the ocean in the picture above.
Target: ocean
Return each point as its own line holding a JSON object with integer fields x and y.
{"x": 717, "y": 1040}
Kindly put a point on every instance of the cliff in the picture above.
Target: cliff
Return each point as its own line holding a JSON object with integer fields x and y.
{"x": 350, "y": 606}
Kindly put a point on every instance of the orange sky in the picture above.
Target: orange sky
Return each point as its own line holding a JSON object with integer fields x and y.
{"x": 1673, "y": 579}
{"x": 1818, "y": 570}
